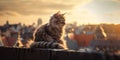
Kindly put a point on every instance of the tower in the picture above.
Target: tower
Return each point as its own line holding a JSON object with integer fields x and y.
{"x": 39, "y": 21}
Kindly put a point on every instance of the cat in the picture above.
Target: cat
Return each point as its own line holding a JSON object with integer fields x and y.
{"x": 49, "y": 35}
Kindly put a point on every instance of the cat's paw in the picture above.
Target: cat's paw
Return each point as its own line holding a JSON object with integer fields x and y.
{"x": 61, "y": 46}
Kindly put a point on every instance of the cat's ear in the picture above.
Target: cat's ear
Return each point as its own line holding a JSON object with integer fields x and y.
{"x": 58, "y": 13}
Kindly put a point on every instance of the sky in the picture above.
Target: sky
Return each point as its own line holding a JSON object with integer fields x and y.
{"x": 80, "y": 11}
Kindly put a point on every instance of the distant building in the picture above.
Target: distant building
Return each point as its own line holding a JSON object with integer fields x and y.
{"x": 1, "y": 42}
{"x": 100, "y": 33}
{"x": 39, "y": 21}
{"x": 7, "y": 24}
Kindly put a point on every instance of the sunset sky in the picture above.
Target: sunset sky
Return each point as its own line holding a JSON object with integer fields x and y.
{"x": 81, "y": 11}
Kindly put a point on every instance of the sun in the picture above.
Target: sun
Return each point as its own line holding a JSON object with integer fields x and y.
{"x": 83, "y": 15}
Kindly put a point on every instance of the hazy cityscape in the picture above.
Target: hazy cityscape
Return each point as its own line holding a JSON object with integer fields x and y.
{"x": 85, "y": 33}
{"x": 91, "y": 29}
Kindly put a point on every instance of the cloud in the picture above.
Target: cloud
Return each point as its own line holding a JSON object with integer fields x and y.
{"x": 112, "y": 17}
{"x": 114, "y": 14}
{"x": 9, "y": 13}
{"x": 103, "y": 6}
{"x": 116, "y": 1}
{"x": 39, "y": 7}
{"x": 96, "y": 11}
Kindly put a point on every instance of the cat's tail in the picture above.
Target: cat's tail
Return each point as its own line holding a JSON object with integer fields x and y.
{"x": 51, "y": 45}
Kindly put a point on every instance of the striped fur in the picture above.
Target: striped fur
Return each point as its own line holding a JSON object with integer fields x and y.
{"x": 51, "y": 32}
{"x": 43, "y": 44}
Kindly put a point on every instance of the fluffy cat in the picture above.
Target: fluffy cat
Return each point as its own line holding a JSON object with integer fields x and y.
{"x": 50, "y": 34}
